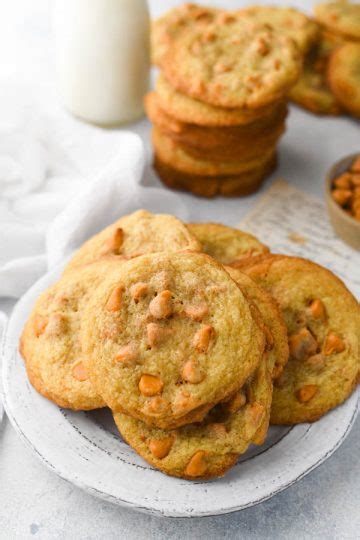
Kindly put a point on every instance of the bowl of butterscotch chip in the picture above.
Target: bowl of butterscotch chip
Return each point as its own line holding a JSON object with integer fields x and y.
{"x": 343, "y": 199}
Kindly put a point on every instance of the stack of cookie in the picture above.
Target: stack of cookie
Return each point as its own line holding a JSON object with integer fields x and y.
{"x": 329, "y": 84}
{"x": 185, "y": 332}
{"x": 220, "y": 102}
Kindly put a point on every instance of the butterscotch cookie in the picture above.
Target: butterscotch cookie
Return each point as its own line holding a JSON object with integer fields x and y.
{"x": 286, "y": 20}
{"x": 344, "y": 76}
{"x": 193, "y": 111}
{"x": 210, "y": 186}
{"x": 226, "y": 244}
{"x": 177, "y": 315}
{"x": 207, "y": 449}
{"x": 133, "y": 235}
{"x": 340, "y": 18}
{"x": 277, "y": 347}
{"x": 312, "y": 91}
{"x": 165, "y": 28}
{"x": 233, "y": 62}
{"x": 323, "y": 321}
{"x": 220, "y": 143}
{"x": 173, "y": 155}
{"x": 50, "y": 343}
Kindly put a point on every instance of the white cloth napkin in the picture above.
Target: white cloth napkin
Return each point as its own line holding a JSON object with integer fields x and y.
{"x": 50, "y": 202}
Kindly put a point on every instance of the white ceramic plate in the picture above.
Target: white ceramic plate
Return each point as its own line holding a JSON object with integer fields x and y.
{"x": 86, "y": 450}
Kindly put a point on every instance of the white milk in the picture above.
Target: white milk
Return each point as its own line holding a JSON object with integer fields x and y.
{"x": 102, "y": 58}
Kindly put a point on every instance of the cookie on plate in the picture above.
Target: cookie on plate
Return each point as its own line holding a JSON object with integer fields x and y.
{"x": 277, "y": 347}
{"x": 50, "y": 343}
{"x": 340, "y": 18}
{"x": 133, "y": 235}
{"x": 344, "y": 76}
{"x": 226, "y": 244}
{"x": 207, "y": 449}
{"x": 165, "y": 28}
{"x": 239, "y": 184}
{"x": 185, "y": 331}
{"x": 312, "y": 91}
{"x": 233, "y": 62}
{"x": 219, "y": 143}
{"x": 193, "y": 111}
{"x": 286, "y": 20}
{"x": 172, "y": 154}
{"x": 323, "y": 321}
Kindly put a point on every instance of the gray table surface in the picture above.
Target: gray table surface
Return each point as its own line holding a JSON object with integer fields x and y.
{"x": 35, "y": 503}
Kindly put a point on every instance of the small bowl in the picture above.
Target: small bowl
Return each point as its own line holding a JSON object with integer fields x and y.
{"x": 344, "y": 225}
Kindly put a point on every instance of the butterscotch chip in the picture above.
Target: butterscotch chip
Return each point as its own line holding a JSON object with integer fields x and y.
{"x": 197, "y": 313}
{"x": 39, "y": 324}
{"x": 165, "y": 340}
{"x": 160, "y": 307}
{"x": 142, "y": 232}
{"x": 139, "y": 290}
{"x": 202, "y": 338}
{"x": 160, "y": 448}
{"x": 157, "y": 334}
{"x": 192, "y": 372}
{"x": 302, "y": 344}
{"x": 150, "y": 385}
{"x": 197, "y": 465}
{"x": 333, "y": 344}
{"x": 114, "y": 301}
{"x": 51, "y": 344}
{"x": 317, "y": 309}
{"x": 330, "y": 360}
{"x": 80, "y": 372}
{"x": 344, "y": 181}
{"x": 316, "y": 361}
{"x": 189, "y": 72}
{"x": 341, "y": 196}
{"x": 56, "y": 326}
{"x": 114, "y": 242}
{"x": 306, "y": 393}
{"x": 128, "y": 354}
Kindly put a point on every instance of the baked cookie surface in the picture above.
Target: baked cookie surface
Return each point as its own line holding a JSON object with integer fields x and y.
{"x": 192, "y": 111}
{"x": 183, "y": 333}
{"x": 50, "y": 343}
{"x": 340, "y": 18}
{"x": 165, "y": 28}
{"x": 344, "y": 76}
{"x": 133, "y": 235}
{"x": 207, "y": 449}
{"x": 233, "y": 62}
{"x": 226, "y": 244}
{"x": 323, "y": 322}
{"x": 289, "y": 21}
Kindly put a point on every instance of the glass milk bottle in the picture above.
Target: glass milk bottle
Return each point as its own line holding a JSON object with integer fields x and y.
{"x": 102, "y": 58}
